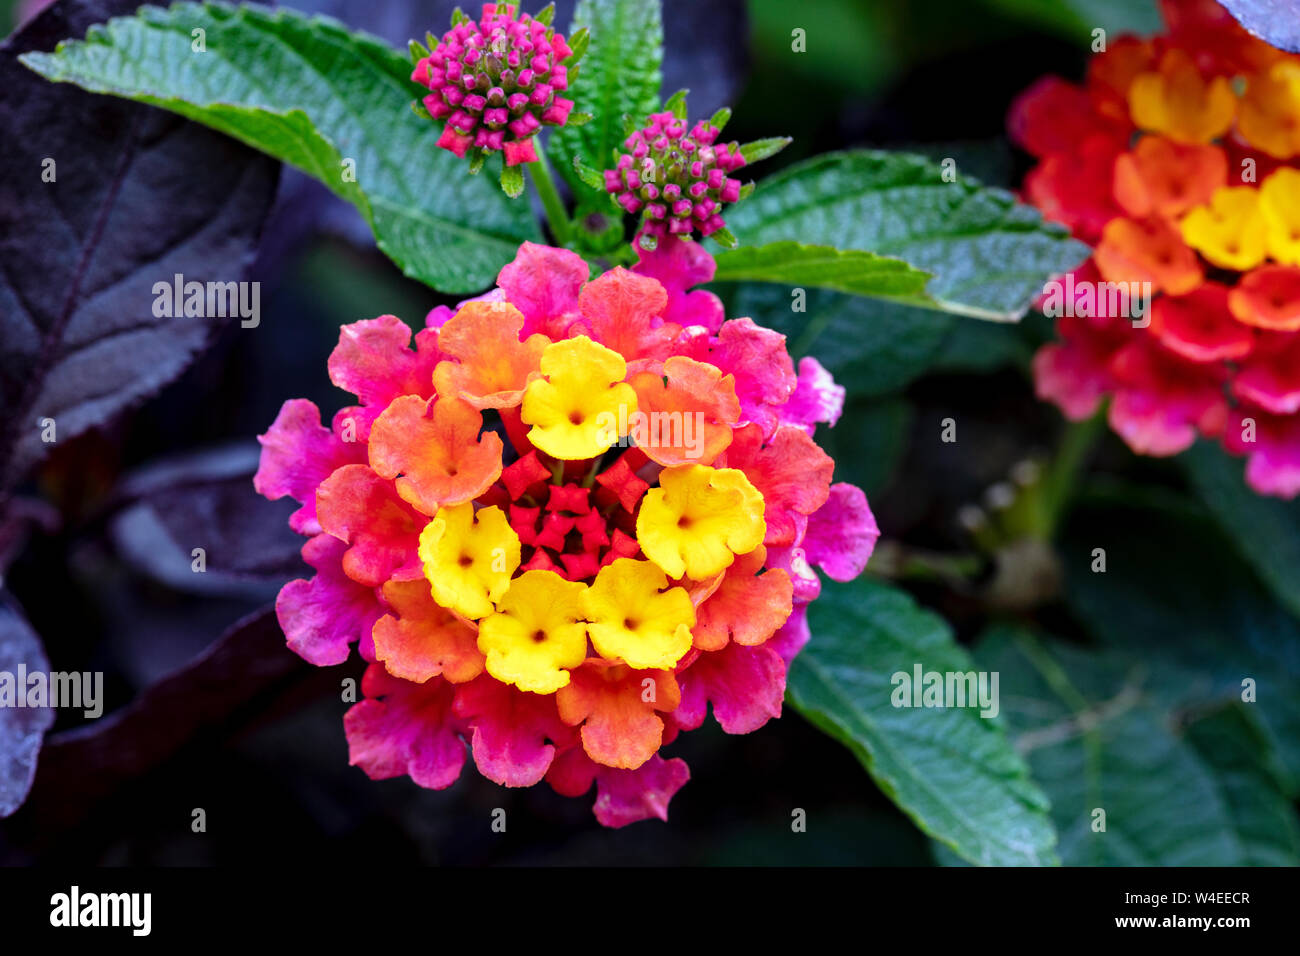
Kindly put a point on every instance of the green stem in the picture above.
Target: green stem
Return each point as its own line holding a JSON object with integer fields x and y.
{"x": 1063, "y": 474}
{"x": 556, "y": 216}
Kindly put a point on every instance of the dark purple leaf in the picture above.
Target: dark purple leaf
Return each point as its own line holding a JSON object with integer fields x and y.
{"x": 206, "y": 501}
{"x": 21, "y": 728}
{"x": 138, "y": 196}
{"x": 1274, "y": 21}
{"x": 81, "y": 767}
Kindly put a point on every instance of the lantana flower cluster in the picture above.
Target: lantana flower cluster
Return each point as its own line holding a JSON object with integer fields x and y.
{"x": 676, "y": 177}
{"x": 561, "y": 524}
{"x": 496, "y": 82}
{"x": 1178, "y": 159}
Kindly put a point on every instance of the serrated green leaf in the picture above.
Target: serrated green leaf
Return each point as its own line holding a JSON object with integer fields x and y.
{"x": 1176, "y": 596}
{"x": 588, "y": 175}
{"x": 796, "y": 264}
{"x": 761, "y": 149}
{"x": 989, "y": 255}
{"x": 1098, "y": 738}
{"x": 620, "y": 78}
{"x": 313, "y": 94}
{"x": 1266, "y": 530}
{"x": 953, "y": 772}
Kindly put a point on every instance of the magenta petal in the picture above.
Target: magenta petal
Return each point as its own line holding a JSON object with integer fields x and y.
{"x": 322, "y": 616}
{"x": 298, "y": 453}
{"x": 626, "y": 796}
{"x": 543, "y": 284}
{"x": 745, "y": 685}
{"x": 678, "y": 265}
{"x": 793, "y": 561}
{"x": 758, "y": 359}
{"x": 842, "y": 533}
{"x": 511, "y": 730}
{"x": 408, "y": 732}
{"x": 816, "y": 397}
{"x": 374, "y": 361}
{"x": 793, "y": 635}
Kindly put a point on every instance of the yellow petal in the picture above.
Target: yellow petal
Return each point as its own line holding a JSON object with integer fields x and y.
{"x": 537, "y": 634}
{"x": 582, "y": 406}
{"x": 469, "y": 558}
{"x": 1230, "y": 232}
{"x": 1279, "y": 200}
{"x": 634, "y": 620}
{"x": 698, "y": 519}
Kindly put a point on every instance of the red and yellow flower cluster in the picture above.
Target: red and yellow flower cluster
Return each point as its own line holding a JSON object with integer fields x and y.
{"x": 574, "y": 515}
{"x": 1180, "y": 161}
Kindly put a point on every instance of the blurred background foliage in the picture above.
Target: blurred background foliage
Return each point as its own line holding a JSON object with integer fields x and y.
{"x": 1150, "y": 653}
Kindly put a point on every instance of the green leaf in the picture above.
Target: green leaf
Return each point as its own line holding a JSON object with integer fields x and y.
{"x": 989, "y": 255}
{"x": 676, "y": 104}
{"x": 953, "y": 772}
{"x": 1176, "y": 597}
{"x": 1097, "y": 738}
{"x": 578, "y": 43}
{"x": 796, "y": 264}
{"x": 620, "y": 78}
{"x": 1266, "y": 530}
{"x": 761, "y": 149}
{"x": 723, "y": 237}
{"x": 721, "y": 118}
{"x": 588, "y": 175}
{"x": 1076, "y": 19}
{"x": 321, "y": 98}
{"x": 512, "y": 181}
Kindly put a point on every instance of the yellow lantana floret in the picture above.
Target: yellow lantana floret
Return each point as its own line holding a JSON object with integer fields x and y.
{"x": 537, "y": 634}
{"x": 1279, "y": 200}
{"x": 698, "y": 519}
{"x": 1270, "y": 108}
{"x": 468, "y": 558}
{"x": 576, "y": 410}
{"x": 633, "y": 619}
{"x": 1230, "y": 232}
{"x": 1177, "y": 101}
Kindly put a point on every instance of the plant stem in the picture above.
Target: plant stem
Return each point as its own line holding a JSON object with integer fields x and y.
{"x": 556, "y": 217}
{"x": 1063, "y": 473}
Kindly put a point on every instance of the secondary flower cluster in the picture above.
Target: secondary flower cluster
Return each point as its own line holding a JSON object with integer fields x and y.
{"x": 1178, "y": 161}
{"x": 574, "y": 515}
{"x": 675, "y": 178}
{"x": 496, "y": 83}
